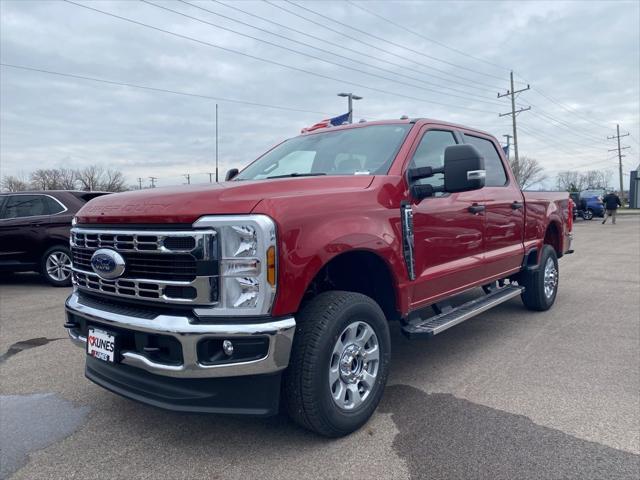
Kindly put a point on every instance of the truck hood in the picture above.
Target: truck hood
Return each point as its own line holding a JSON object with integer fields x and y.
{"x": 185, "y": 204}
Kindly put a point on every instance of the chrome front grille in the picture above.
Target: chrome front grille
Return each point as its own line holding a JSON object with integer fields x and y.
{"x": 171, "y": 267}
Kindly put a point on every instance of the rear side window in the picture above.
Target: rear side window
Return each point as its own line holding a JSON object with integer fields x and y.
{"x": 52, "y": 205}
{"x": 430, "y": 153}
{"x": 18, "y": 206}
{"x": 496, "y": 176}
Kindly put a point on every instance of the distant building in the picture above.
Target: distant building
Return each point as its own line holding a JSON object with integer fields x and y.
{"x": 634, "y": 188}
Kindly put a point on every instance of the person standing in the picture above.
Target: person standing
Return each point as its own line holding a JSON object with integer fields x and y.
{"x": 611, "y": 204}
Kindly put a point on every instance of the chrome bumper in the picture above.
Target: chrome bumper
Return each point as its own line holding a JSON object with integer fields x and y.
{"x": 280, "y": 334}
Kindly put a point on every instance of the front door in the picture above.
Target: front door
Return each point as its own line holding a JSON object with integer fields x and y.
{"x": 448, "y": 237}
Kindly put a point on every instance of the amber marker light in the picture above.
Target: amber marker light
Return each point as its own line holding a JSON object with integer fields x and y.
{"x": 271, "y": 266}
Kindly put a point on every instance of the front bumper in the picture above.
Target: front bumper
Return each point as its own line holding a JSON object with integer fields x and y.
{"x": 188, "y": 334}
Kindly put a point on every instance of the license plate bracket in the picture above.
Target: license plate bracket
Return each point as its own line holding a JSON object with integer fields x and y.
{"x": 102, "y": 344}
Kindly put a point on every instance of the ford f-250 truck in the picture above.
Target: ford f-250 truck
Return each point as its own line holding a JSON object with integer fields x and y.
{"x": 278, "y": 285}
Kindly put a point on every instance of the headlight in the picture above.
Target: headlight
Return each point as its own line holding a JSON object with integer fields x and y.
{"x": 247, "y": 260}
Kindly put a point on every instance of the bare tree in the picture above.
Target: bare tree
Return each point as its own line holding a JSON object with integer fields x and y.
{"x": 68, "y": 178}
{"x": 13, "y": 184}
{"x": 596, "y": 178}
{"x": 529, "y": 171}
{"x": 570, "y": 181}
{"x": 91, "y": 178}
{"x": 114, "y": 181}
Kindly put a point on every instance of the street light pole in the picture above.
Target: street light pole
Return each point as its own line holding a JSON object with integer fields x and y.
{"x": 350, "y": 97}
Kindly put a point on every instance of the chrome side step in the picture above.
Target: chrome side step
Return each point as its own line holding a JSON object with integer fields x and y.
{"x": 439, "y": 323}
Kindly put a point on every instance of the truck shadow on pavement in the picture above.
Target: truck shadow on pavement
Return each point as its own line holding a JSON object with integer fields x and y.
{"x": 441, "y": 436}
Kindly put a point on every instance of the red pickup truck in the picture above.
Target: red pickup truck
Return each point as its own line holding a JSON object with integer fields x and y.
{"x": 278, "y": 285}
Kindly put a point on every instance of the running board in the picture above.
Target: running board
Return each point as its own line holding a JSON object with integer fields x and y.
{"x": 434, "y": 325}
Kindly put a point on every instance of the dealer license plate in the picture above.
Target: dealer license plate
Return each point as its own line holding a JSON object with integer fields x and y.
{"x": 101, "y": 345}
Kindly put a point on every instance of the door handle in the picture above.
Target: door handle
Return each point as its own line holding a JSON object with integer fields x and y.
{"x": 516, "y": 205}
{"x": 476, "y": 209}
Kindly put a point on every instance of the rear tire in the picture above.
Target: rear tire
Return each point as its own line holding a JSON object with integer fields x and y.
{"x": 588, "y": 214}
{"x": 55, "y": 266}
{"x": 541, "y": 285}
{"x": 339, "y": 363}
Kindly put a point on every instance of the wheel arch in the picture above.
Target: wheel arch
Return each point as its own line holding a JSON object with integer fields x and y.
{"x": 361, "y": 271}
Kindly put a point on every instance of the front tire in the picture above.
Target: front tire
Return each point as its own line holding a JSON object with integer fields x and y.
{"x": 339, "y": 363}
{"x": 541, "y": 285}
{"x": 56, "y": 266}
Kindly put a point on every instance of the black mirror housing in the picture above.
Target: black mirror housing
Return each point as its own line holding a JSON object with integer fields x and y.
{"x": 463, "y": 168}
{"x": 231, "y": 174}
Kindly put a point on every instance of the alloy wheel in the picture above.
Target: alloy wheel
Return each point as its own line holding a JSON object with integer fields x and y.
{"x": 353, "y": 366}
{"x": 58, "y": 266}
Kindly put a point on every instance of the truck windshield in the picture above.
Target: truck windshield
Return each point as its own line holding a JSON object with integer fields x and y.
{"x": 355, "y": 151}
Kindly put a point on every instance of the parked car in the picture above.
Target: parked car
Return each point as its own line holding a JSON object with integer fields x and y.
{"x": 218, "y": 298}
{"x": 34, "y": 232}
{"x": 591, "y": 204}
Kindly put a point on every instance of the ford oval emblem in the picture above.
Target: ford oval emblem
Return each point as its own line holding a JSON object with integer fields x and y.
{"x": 108, "y": 264}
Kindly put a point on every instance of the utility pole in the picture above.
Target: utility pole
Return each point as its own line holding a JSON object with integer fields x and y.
{"x": 216, "y": 146}
{"x": 508, "y": 137}
{"x": 139, "y": 183}
{"x": 620, "y": 155}
{"x": 188, "y": 177}
{"x": 210, "y": 176}
{"x": 153, "y": 181}
{"x": 512, "y": 93}
{"x": 351, "y": 97}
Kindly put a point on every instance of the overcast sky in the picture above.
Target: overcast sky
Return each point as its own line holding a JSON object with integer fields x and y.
{"x": 581, "y": 59}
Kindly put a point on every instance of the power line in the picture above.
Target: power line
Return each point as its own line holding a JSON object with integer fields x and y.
{"x": 351, "y": 27}
{"x": 571, "y": 128}
{"x": 298, "y": 52}
{"x": 273, "y": 62}
{"x": 346, "y": 35}
{"x": 156, "y": 89}
{"x": 342, "y": 46}
{"x": 405, "y": 29}
{"x": 315, "y": 47}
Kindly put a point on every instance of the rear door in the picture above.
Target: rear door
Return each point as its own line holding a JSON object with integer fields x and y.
{"x": 448, "y": 246}
{"x": 504, "y": 211}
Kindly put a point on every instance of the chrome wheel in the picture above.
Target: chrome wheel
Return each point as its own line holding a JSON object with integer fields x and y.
{"x": 353, "y": 366}
{"x": 58, "y": 266}
{"x": 550, "y": 278}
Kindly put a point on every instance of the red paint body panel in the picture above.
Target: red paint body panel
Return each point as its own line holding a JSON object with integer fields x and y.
{"x": 321, "y": 217}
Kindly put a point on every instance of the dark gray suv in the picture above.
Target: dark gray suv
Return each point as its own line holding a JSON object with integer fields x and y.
{"x": 34, "y": 232}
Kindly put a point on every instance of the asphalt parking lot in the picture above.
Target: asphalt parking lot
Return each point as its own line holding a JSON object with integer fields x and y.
{"x": 510, "y": 394}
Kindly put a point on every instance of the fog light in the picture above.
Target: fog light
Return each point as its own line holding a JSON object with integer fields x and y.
{"x": 227, "y": 346}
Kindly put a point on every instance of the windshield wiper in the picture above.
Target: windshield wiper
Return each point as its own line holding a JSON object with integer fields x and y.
{"x": 298, "y": 175}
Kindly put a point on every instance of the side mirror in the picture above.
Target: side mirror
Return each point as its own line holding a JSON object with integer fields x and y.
{"x": 463, "y": 168}
{"x": 231, "y": 174}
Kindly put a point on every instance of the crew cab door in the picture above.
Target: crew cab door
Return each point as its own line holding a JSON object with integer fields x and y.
{"x": 448, "y": 236}
{"x": 504, "y": 211}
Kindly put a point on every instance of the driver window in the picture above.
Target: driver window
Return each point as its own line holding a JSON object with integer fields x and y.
{"x": 430, "y": 153}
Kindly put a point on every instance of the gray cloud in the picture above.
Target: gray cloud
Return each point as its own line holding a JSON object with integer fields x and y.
{"x": 584, "y": 54}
